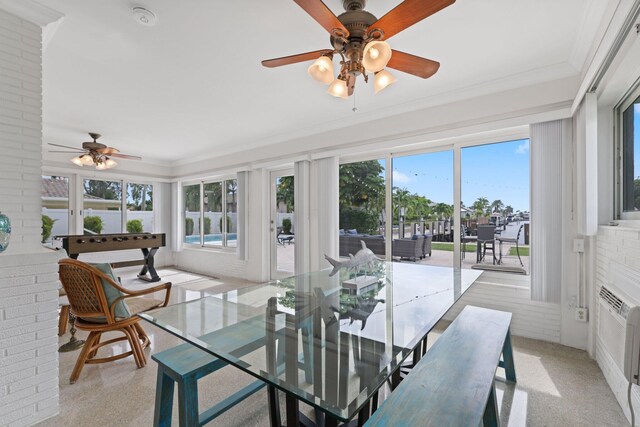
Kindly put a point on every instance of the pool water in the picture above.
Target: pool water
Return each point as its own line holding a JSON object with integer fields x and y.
{"x": 210, "y": 238}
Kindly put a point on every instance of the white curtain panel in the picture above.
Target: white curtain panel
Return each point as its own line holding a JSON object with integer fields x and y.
{"x": 546, "y": 234}
{"x": 243, "y": 199}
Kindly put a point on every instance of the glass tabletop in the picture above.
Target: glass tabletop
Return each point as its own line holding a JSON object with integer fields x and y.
{"x": 331, "y": 341}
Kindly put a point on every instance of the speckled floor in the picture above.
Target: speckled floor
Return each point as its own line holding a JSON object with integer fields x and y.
{"x": 557, "y": 385}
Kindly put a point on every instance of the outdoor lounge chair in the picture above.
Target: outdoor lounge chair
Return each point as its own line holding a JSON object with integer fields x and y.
{"x": 515, "y": 240}
{"x": 408, "y": 248}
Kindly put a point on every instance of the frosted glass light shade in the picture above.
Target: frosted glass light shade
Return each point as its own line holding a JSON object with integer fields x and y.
{"x": 86, "y": 160}
{"x": 376, "y": 55}
{"x": 110, "y": 164}
{"x": 338, "y": 89}
{"x": 77, "y": 161}
{"x": 322, "y": 70}
{"x": 101, "y": 166}
{"x": 382, "y": 79}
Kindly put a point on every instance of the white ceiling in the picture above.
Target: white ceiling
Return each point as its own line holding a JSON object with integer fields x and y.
{"x": 192, "y": 86}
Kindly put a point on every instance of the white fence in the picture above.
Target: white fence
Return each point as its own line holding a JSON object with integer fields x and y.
{"x": 111, "y": 220}
{"x": 215, "y": 218}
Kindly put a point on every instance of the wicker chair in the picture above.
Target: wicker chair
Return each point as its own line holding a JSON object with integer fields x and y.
{"x": 83, "y": 284}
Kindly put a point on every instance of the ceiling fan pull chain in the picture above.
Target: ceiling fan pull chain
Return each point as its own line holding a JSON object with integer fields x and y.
{"x": 354, "y": 109}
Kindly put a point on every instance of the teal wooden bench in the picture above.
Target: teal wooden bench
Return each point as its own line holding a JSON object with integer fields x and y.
{"x": 185, "y": 365}
{"x": 453, "y": 385}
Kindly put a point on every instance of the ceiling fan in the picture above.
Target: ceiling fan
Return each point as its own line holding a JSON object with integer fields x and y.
{"x": 95, "y": 153}
{"x": 358, "y": 37}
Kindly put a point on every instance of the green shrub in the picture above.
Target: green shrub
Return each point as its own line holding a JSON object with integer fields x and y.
{"x": 207, "y": 225}
{"x": 93, "y": 223}
{"x": 228, "y": 223}
{"x": 365, "y": 221}
{"x": 286, "y": 225}
{"x": 134, "y": 226}
{"x": 188, "y": 226}
{"x": 47, "y": 226}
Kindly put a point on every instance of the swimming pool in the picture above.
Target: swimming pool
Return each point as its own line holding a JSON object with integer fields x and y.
{"x": 210, "y": 238}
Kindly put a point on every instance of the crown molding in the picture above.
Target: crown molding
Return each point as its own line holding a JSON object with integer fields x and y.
{"x": 588, "y": 31}
{"x": 31, "y": 11}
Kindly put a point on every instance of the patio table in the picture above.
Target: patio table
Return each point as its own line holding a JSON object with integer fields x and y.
{"x": 320, "y": 341}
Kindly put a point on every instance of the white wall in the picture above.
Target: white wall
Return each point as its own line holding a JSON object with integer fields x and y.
{"x": 28, "y": 279}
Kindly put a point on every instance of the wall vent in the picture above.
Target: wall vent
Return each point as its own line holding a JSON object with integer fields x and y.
{"x": 619, "y": 306}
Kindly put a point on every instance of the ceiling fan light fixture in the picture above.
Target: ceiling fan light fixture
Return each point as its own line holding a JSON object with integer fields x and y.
{"x": 376, "y": 55}
{"x": 338, "y": 89}
{"x": 77, "y": 161}
{"x": 382, "y": 79}
{"x": 86, "y": 160}
{"x": 322, "y": 70}
{"x": 101, "y": 166}
{"x": 110, "y": 163}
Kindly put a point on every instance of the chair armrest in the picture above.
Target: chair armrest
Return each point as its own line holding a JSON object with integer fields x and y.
{"x": 130, "y": 294}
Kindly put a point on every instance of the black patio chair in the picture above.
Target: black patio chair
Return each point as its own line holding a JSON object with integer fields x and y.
{"x": 486, "y": 240}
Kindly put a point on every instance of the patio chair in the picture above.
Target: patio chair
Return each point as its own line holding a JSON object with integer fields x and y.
{"x": 408, "y": 248}
{"x": 515, "y": 240}
{"x": 486, "y": 240}
{"x": 97, "y": 301}
{"x": 284, "y": 238}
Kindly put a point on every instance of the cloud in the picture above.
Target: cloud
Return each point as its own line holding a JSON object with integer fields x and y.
{"x": 400, "y": 178}
{"x": 523, "y": 148}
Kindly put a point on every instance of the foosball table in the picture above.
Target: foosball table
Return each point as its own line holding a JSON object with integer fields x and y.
{"x": 148, "y": 243}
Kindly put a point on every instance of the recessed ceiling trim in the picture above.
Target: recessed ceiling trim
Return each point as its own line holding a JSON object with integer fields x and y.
{"x": 31, "y": 11}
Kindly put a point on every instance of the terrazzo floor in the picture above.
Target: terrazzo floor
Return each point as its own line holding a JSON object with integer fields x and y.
{"x": 557, "y": 385}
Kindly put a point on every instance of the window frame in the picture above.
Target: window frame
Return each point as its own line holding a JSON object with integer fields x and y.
{"x": 456, "y": 147}
{"x": 123, "y": 202}
{"x": 224, "y": 240}
{"x": 627, "y": 100}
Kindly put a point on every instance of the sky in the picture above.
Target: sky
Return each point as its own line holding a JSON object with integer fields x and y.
{"x": 495, "y": 171}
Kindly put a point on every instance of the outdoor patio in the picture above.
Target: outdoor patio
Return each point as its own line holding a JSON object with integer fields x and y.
{"x": 441, "y": 254}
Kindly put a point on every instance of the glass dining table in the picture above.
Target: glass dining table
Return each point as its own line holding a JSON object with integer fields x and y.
{"x": 328, "y": 341}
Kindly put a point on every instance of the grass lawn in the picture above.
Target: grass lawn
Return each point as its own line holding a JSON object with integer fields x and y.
{"x": 446, "y": 246}
{"x": 524, "y": 251}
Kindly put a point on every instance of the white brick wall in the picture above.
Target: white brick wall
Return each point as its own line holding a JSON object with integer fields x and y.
{"x": 28, "y": 280}
{"x": 21, "y": 130}
{"x": 621, "y": 245}
{"x": 512, "y": 293}
{"x": 28, "y": 337}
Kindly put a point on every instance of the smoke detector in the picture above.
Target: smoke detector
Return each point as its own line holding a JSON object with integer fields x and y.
{"x": 144, "y": 17}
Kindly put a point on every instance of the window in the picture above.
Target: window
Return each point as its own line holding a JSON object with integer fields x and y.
{"x": 630, "y": 157}
{"x": 55, "y": 207}
{"x": 139, "y": 208}
{"x": 361, "y": 207}
{"x": 211, "y": 213}
{"x": 495, "y": 191}
{"x": 191, "y": 196}
{"x": 102, "y": 204}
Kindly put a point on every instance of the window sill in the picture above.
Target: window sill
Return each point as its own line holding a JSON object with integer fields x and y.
{"x": 198, "y": 248}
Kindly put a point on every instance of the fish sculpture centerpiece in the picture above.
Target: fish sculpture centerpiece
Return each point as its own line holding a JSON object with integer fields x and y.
{"x": 363, "y": 258}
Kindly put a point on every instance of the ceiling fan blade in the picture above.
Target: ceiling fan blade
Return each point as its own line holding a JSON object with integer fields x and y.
{"x": 408, "y": 13}
{"x": 323, "y": 15}
{"x": 125, "y": 156}
{"x": 416, "y": 65}
{"x": 292, "y": 59}
{"x": 68, "y": 152}
{"x": 66, "y": 146}
{"x": 108, "y": 151}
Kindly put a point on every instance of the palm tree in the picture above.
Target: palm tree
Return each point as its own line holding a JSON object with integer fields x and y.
{"x": 508, "y": 210}
{"x": 480, "y": 206}
{"x": 497, "y": 206}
